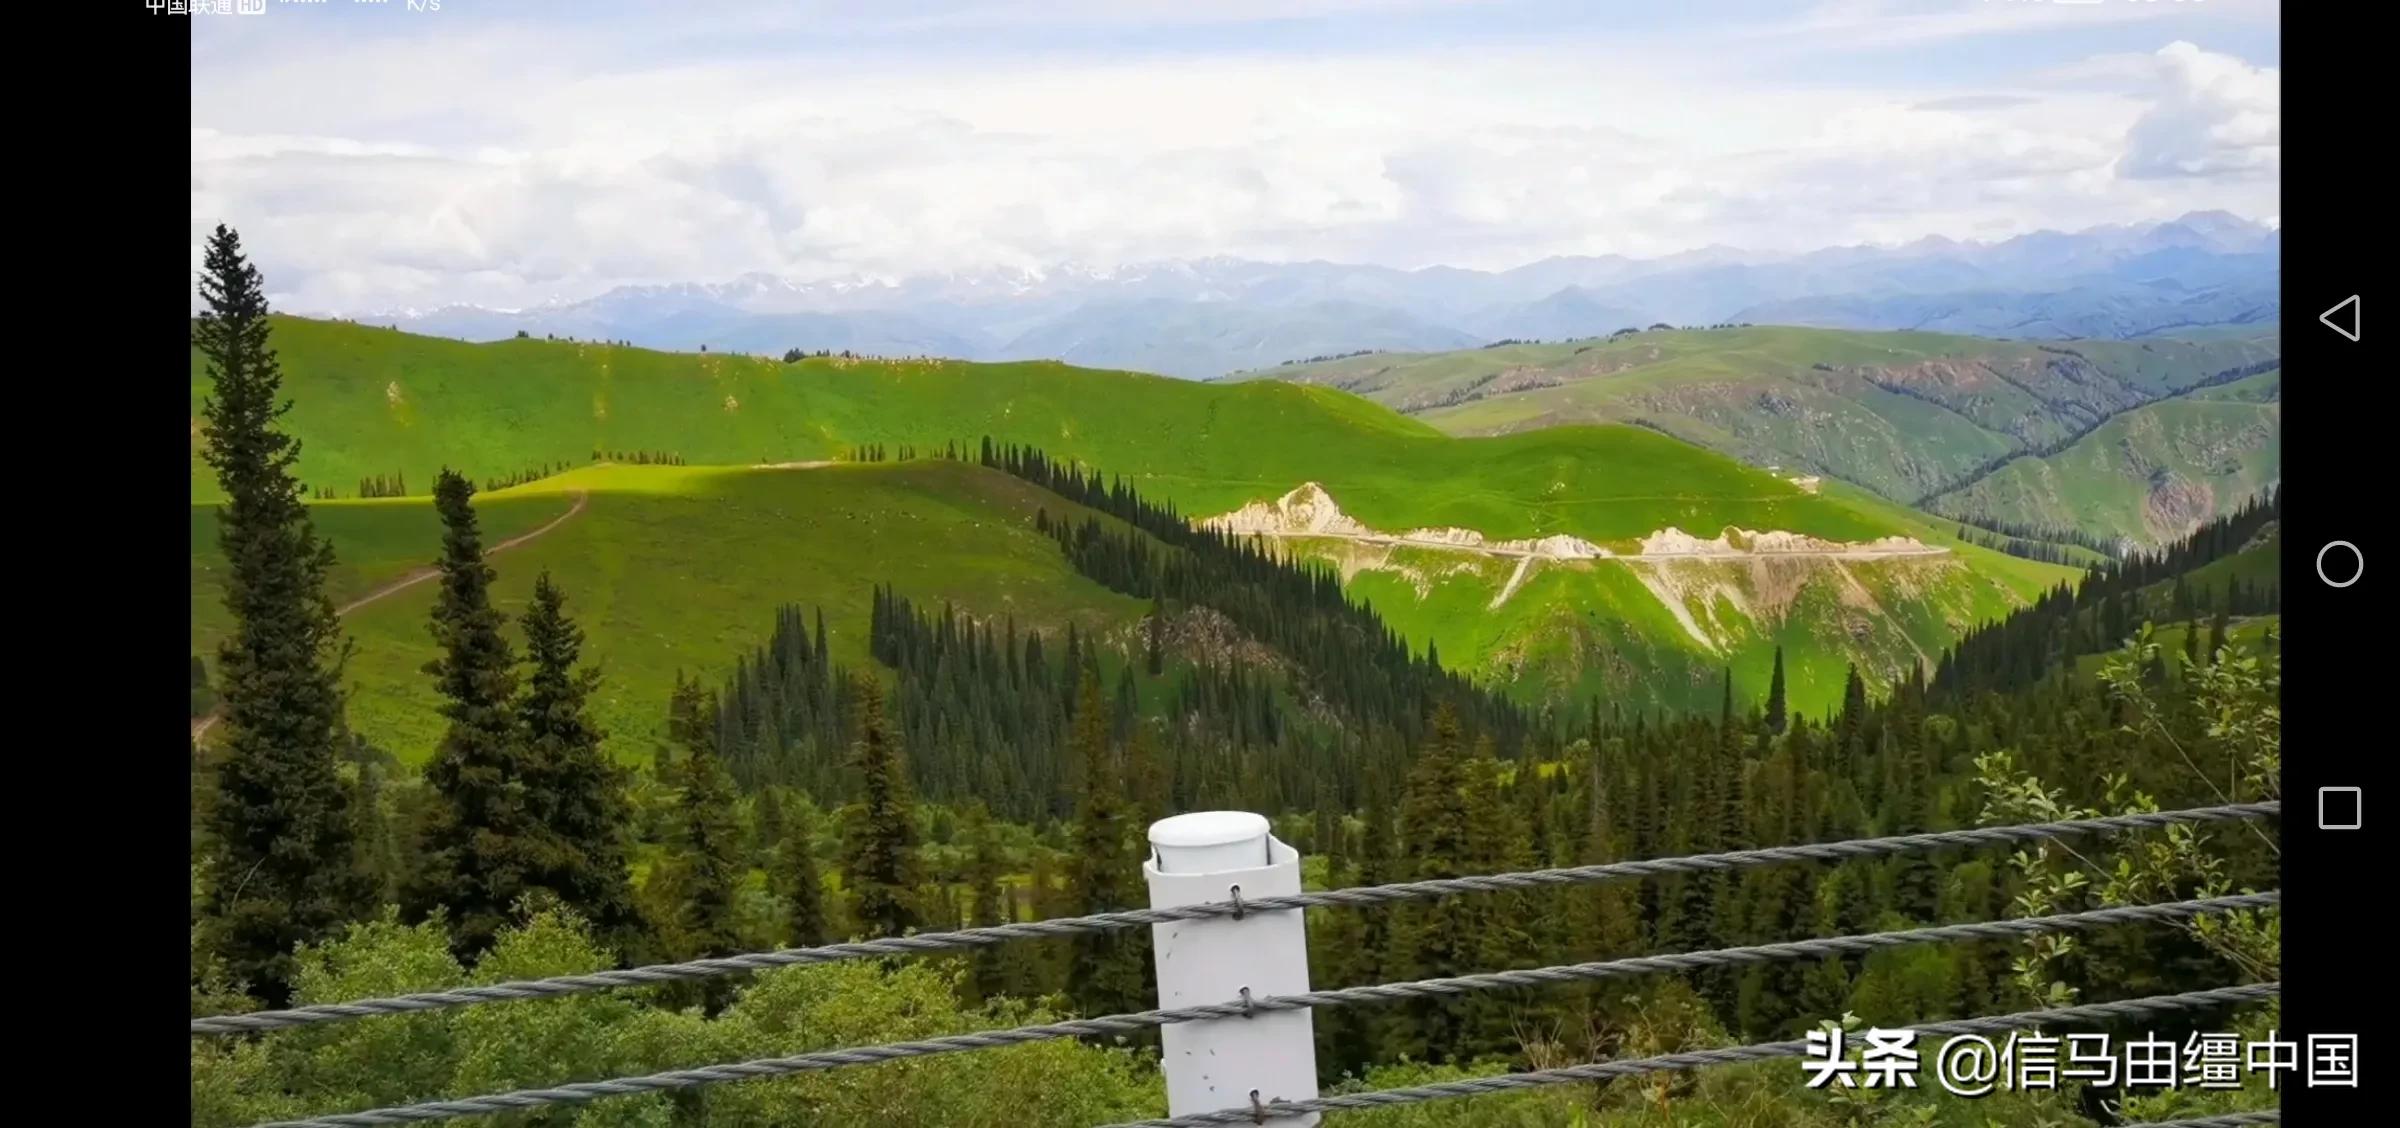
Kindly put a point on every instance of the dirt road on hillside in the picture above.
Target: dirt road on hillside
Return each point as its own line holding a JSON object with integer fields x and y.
{"x": 411, "y": 579}
{"x": 1846, "y": 552}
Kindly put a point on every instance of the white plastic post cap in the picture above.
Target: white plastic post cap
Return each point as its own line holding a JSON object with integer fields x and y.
{"x": 1208, "y": 841}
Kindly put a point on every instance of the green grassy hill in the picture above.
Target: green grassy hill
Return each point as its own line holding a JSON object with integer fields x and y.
{"x": 374, "y": 402}
{"x": 673, "y": 568}
{"x": 1905, "y": 414}
{"x": 1661, "y": 635}
{"x": 2155, "y": 472}
{"x": 680, "y": 567}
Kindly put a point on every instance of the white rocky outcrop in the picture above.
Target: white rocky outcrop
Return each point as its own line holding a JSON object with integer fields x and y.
{"x": 1310, "y": 511}
{"x": 1306, "y": 511}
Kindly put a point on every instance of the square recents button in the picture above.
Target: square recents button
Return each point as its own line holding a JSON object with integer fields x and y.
{"x": 2339, "y": 808}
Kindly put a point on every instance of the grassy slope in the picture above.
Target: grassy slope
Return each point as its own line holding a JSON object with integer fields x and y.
{"x": 1795, "y": 397}
{"x": 677, "y": 567}
{"x": 2154, "y": 472}
{"x": 1595, "y": 628}
{"x": 372, "y": 401}
{"x": 1586, "y": 628}
{"x": 672, "y": 568}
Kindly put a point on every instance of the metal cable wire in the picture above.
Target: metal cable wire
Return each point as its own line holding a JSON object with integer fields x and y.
{"x": 2221, "y": 1120}
{"x": 1600, "y": 1071}
{"x": 1385, "y": 992}
{"x": 962, "y": 939}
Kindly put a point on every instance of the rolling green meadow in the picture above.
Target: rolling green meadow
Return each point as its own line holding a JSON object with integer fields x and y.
{"x": 677, "y": 568}
{"x": 371, "y": 402}
{"x": 680, "y": 569}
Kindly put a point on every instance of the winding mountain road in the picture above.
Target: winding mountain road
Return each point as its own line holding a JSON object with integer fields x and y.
{"x": 1846, "y": 552}
{"x": 413, "y": 578}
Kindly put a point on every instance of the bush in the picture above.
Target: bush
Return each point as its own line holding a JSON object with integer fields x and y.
{"x": 464, "y": 1051}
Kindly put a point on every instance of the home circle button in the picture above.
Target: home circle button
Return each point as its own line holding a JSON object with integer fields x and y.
{"x": 2337, "y": 572}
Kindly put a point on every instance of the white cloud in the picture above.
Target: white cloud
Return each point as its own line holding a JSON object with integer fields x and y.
{"x": 2215, "y": 116}
{"x": 517, "y": 169}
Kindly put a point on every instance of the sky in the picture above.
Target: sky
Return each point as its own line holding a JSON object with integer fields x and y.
{"x": 509, "y": 152}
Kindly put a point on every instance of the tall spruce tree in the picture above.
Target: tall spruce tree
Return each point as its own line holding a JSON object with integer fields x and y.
{"x": 988, "y": 903}
{"x": 1501, "y": 925}
{"x": 1435, "y": 938}
{"x": 281, "y": 828}
{"x": 879, "y": 843}
{"x": 804, "y": 890}
{"x": 1854, "y": 709}
{"x": 1111, "y": 969}
{"x": 577, "y": 793}
{"x": 486, "y": 846}
{"x": 709, "y": 865}
{"x": 1775, "y": 701}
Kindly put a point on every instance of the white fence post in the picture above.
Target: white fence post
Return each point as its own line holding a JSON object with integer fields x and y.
{"x": 1219, "y": 856}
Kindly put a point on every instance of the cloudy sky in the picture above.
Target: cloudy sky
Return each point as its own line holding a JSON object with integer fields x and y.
{"x": 505, "y": 153}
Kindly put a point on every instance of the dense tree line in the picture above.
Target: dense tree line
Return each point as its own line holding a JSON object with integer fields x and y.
{"x": 781, "y": 717}
{"x": 1909, "y": 762}
{"x": 394, "y": 484}
{"x": 903, "y": 452}
{"x": 2100, "y": 612}
{"x": 1347, "y": 657}
{"x": 986, "y": 708}
{"x": 2047, "y": 552}
{"x": 639, "y": 457}
{"x": 2026, "y": 531}
{"x": 521, "y": 477}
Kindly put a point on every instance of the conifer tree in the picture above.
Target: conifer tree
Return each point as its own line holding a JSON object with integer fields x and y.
{"x": 708, "y": 865}
{"x": 1500, "y": 924}
{"x": 1775, "y": 702}
{"x": 1153, "y": 637}
{"x": 987, "y": 900}
{"x": 804, "y": 888}
{"x": 1384, "y": 1031}
{"x": 1145, "y": 779}
{"x": 879, "y": 843}
{"x": 576, "y": 792}
{"x": 1111, "y": 969}
{"x": 1028, "y": 969}
{"x": 1854, "y": 707}
{"x": 1337, "y": 953}
{"x": 768, "y": 829}
{"x": 280, "y": 823}
{"x": 486, "y": 845}
{"x": 1435, "y": 938}
{"x": 704, "y": 874}
{"x": 1603, "y": 921}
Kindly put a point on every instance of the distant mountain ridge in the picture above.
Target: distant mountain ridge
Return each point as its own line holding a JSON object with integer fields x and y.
{"x": 1205, "y": 317}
